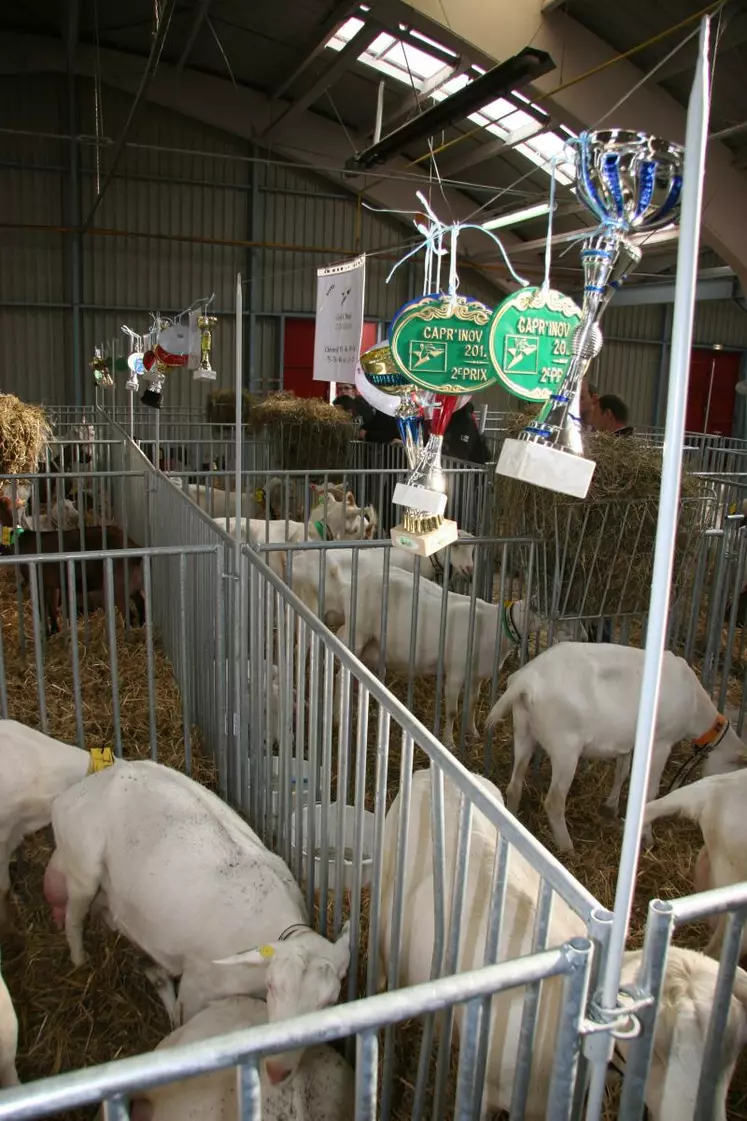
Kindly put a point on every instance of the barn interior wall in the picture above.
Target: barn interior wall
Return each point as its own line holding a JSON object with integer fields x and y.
{"x": 178, "y": 224}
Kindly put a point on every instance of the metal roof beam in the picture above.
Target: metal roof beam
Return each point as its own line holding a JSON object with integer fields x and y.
{"x": 477, "y": 153}
{"x": 315, "y": 46}
{"x": 504, "y": 26}
{"x": 734, "y": 35}
{"x": 309, "y": 140}
{"x": 198, "y": 18}
{"x": 342, "y": 60}
{"x": 412, "y": 102}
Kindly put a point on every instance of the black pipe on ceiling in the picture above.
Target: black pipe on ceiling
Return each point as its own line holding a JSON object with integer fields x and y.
{"x": 526, "y": 66}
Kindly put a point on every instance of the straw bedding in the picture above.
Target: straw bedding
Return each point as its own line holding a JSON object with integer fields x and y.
{"x": 71, "y": 1018}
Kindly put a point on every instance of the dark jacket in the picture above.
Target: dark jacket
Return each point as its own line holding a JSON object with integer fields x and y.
{"x": 627, "y": 431}
{"x": 463, "y": 439}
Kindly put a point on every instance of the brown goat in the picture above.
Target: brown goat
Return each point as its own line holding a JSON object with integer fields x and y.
{"x": 69, "y": 541}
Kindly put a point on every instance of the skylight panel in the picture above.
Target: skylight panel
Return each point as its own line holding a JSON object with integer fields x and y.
{"x": 411, "y": 65}
{"x": 432, "y": 42}
{"x": 379, "y": 47}
{"x": 345, "y": 33}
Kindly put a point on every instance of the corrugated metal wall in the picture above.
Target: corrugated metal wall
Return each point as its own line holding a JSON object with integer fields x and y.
{"x": 177, "y": 225}
{"x": 173, "y": 226}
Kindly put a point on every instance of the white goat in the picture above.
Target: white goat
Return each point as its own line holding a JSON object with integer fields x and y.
{"x": 689, "y": 983}
{"x": 461, "y": 559}
{"x": 186, "y": 880}
{"x": 34, "y": 769}
{"x": 323, "y": 1088}
{"x": 577, "y": 700}
{"x": 67, "y": 518}
{"x": 717, "y": 804}
{"x": 496, "y": 630}
{"x": 8, "y": 1038}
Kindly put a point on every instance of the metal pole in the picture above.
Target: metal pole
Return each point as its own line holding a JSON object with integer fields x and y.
{"x": 687, "y": 258}
{"x": 379, "y": 112}
{"x": 74, "y": 207}
{"x": 241, "y": 618}
{"x": 710, "y": 392}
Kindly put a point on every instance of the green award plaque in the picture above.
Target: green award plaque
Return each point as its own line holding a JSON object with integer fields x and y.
{"x": 441, "y": 344}
{"x": 530, "y": 341}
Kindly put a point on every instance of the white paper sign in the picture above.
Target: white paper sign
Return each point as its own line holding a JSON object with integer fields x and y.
{"x": 339, "y": 320}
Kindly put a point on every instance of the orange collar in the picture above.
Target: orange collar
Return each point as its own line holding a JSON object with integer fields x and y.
{"x": 714, "y": 733}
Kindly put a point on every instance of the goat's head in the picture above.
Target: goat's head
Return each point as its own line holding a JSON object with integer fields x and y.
{"x": 680, "y": 1033}
{"x": 303, "y": 973}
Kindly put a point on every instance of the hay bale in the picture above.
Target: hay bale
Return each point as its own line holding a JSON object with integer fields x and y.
{"x": 24, "y": 430}
{"x": 599, "y": 550}
{"x": 307, "y": 434}
{"x": 220, "y": 406}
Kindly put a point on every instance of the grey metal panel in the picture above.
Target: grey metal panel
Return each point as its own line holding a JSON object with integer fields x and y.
{"x": 722, "y": 321}
{"x": 33, "y": 346}
{"x": 639, "y": 322}
{"x": 630, "y": 370}
{"x": 267, "y": 373}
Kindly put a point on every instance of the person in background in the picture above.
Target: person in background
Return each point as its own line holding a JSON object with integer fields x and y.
{"x": 612, "y": 416}
{"x": 463, "y": 439}
{"x": 589, "y": 403}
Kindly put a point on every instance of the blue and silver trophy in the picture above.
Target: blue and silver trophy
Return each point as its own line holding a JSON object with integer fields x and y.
{"x": 631, "y": 183}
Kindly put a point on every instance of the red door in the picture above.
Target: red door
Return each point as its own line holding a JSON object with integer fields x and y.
{"x": 710, "y": 399}
{"x": 299, "y": 357}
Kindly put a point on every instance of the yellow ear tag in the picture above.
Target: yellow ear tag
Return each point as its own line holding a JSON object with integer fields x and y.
{"x": 101, "y": 758}
{"x": 266, "y": 951}
{"x": 259, "y": 495}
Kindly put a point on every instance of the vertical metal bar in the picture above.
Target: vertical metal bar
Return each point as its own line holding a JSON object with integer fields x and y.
{"x": 147, "y": 587}
{"x": 186, "y": 683}
{"x": 458, "y": 903}
{"x": 75, "y": 658}
{"x": 3, "y": 680}
{"x": 711, "y": 1069}
{"x": 366, "y": 1075}
{"x": 359, "y": 802}
{"x": 35, "y": 575}
{"x": 398, "y": 895}
{"x": 530, "y": 1011}
{"x": 220, "y": 663}
{"x": 111, "y": 626}
{"x": 74, "y": 206}
{"x": 249, "y": 1090}
{"x": 382, "y": 765}
{"x": 687, "y": 260}
{"x": 659, "y": 929}
{"x": 579, "y": 952}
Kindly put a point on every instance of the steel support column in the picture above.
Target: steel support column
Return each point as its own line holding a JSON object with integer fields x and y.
{"x": 75, "y": 373}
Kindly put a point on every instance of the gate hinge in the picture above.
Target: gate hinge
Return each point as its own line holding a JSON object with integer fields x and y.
{"x": 605, "y": 1025}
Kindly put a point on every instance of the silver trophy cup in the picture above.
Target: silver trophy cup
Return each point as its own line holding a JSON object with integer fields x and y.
{"x": 632, "y": 183}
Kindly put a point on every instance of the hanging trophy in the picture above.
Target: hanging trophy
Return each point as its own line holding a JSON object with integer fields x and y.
{"x": 204, "y": 323}
{"x": 134, "y": 360}
{"x": 440, "y": 342}
{"x": 632, "y": 183}
{"x": 390, "y": 392}
{"x": 100, "y": 367}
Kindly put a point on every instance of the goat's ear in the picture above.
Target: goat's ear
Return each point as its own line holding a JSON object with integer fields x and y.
{"x": 342, "y": 951}
{"x": 260, "y": 955}
{"x": 350, "y": 498}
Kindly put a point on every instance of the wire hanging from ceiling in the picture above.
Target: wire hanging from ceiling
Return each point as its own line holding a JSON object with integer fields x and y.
{"x": 154, "y": 57}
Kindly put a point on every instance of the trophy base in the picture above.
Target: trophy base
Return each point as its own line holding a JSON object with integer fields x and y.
{"x": 545, "y": 467}
{"x": 425, "y": 544}
{"x": 204, "y": 375}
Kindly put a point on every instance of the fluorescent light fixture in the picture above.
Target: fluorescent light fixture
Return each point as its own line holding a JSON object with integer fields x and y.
{"x": 517, "y": 216}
